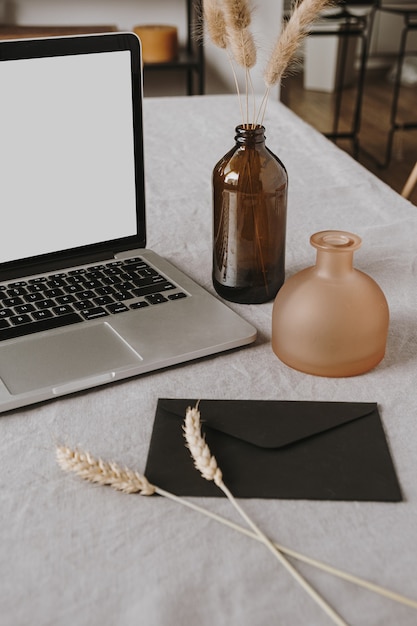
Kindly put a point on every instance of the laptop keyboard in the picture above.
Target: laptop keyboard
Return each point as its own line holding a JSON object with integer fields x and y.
{"x": 57, "y": 300}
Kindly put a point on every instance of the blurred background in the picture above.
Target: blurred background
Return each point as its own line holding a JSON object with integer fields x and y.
{"x": 352, "y": 81}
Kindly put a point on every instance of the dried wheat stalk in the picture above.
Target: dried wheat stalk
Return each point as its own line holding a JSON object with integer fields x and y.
{"x": 103, "y": 473}
{"x": 207, "y": 466}
{"x": 97, "y": 471}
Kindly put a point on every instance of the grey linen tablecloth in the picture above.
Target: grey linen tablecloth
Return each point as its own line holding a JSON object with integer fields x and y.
{"x": 76, "y": 553}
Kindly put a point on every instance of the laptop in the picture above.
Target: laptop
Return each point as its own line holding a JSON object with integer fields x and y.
{"x": 83, "y": 303}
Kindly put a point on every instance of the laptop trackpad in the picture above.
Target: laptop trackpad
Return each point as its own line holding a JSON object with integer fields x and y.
{"x": 71, "y": 355}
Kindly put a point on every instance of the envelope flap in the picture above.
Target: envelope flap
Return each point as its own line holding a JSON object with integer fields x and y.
{"x": 270, "y": 423}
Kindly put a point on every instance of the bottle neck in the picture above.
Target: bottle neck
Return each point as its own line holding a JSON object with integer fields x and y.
{"x": 335, "y": 250}
{"x": 248, "y": 135}
{"x": 334, "y": 264}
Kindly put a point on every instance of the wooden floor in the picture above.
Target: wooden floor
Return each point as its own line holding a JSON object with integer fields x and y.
{"x": 317, "y": 109}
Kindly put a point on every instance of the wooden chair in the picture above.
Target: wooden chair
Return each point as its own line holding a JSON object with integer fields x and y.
{"x": 410, "y": 183}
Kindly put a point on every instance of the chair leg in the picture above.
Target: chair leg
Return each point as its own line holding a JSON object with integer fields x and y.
{"x": 410, "y": 183}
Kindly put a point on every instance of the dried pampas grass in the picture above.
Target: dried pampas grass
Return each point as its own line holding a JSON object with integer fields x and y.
{"x": 305, "y": 12}
{"x": 228, "y": 25}
{"x": 216, "y": 25}
{"x": 243, "y": 48}
{"x": 238, "y": 14}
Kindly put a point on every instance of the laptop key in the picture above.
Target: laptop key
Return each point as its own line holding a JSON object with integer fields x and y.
{"x": 145, "y": 291}
{"x": 83, "y": 305}
{"x": 33, "y": 297}
{"x": 92, "y": 284}
{"x": 12, "y": 301}
{"x": 156, "y": 298}
{"x": 66, "y": 299}
{"x": 38, "y": 279}
{"x": 19, "y": 283}
{"x": 53, "y": 293}
{"x": 63, "y": 309}
{"x": 4, "y": 324}
{"x": 102, "y": 300}
{"x": 41, "y": 315}
{"x": 139, "y": 305}
{"x": 36, "y": 287}
{"x": 80, "y": 270}
{"x": 34, "y": 327}
{"x": 86, "y": 295}
{"x": 123, "y": 295}
{"x": 117, "y": 307}
{"x": 20, "y": 319}
{"x": 91, "y": 314}
{"x": 74, "y": 288}
{"x": 16, "y": 291}
{"x": 24, "y": 308}
{"x": 45, "y": 304}
{"x": 105, "y": 291}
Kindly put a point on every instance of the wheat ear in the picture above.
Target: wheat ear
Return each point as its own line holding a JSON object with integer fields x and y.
{"x": 89, "y": 468}
{"x": 103, "y": 473}
{"x": 207, "y": 466}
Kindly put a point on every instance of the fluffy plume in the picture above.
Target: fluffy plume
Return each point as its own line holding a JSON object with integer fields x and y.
{"x": 237, "y": 13}
{"x": 243, "y": 47}
{"x": 216, "y": 26}
{"x": 303, "y": 15}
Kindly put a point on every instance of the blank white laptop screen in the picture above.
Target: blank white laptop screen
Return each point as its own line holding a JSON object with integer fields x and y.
{"x": 66, "y": 153}
{"x": 83, "y": 302}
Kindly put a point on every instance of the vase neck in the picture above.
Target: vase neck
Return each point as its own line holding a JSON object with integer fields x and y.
{"x": 249, "y": 135}
{"x": 335, "y": 251}
{"x": 331, "y": 264}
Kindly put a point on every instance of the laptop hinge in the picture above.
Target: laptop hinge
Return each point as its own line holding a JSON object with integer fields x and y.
{"x": 31, "y": 269}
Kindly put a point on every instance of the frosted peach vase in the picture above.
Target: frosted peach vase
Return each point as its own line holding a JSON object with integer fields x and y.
{"x": 331, "y": 319}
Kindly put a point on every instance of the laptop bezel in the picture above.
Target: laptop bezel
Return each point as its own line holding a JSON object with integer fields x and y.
{"x": 11, "y": 50}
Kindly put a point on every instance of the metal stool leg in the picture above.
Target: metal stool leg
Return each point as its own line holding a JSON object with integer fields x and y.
{"x": 396, "y": 91}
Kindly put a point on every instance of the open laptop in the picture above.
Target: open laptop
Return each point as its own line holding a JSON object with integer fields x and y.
{"x": 82, "y": 302}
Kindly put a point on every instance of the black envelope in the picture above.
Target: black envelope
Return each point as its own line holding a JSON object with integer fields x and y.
{"x": 277, "y": 449}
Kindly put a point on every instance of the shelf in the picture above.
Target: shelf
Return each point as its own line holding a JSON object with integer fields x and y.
{"x": 13, "y": 31}
{"x": 190, "y": 59}
{"x": 184, "y": 60}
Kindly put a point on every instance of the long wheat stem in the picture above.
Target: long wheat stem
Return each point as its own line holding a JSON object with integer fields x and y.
{"x": 206, "y": 464}
{"x": 97, "y": 471}
{"x": 329, "y": 569}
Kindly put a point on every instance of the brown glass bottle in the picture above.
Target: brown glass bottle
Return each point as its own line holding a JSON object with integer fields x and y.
{"x": 249, "y": 220}
{"x": 331, "y": 319}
